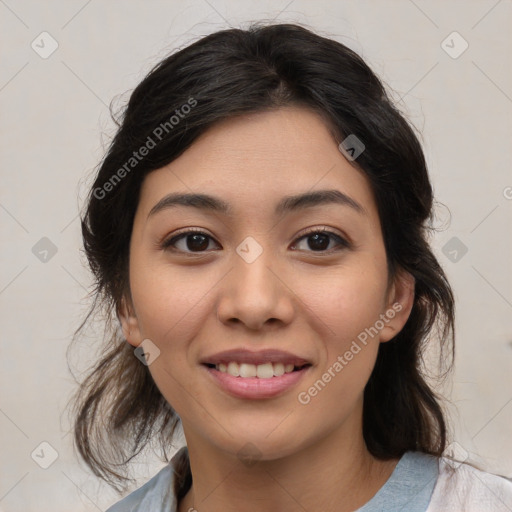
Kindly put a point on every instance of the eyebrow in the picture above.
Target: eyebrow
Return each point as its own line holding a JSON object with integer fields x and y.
{"x": 287, "y": 204}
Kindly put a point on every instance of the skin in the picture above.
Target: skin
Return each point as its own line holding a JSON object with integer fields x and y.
{"x": 313, "y": 303}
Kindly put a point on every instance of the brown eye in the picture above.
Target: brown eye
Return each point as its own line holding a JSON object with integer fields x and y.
{"x": 198, "y": 242}
{"x": 190, "y": 241}
{"x": 319, "y": 241}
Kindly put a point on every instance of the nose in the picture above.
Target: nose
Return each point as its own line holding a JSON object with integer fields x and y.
{"x": 256, "y": 294}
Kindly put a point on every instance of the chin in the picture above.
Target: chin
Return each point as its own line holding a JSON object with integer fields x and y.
{"x": 260, "y": 446}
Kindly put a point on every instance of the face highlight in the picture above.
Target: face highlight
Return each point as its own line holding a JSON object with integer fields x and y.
{"x": 262, "y": 236}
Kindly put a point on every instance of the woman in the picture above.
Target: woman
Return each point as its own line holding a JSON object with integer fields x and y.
{"x": 259, "y": 229}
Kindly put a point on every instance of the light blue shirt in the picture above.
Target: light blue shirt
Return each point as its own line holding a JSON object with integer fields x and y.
{"x": 408, "y": 489}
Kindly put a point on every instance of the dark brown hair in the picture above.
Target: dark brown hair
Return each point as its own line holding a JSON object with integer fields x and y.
{"x": 118, "y": 409}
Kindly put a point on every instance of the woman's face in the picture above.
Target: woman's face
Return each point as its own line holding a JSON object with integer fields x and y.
{"x": 260, "y": 277}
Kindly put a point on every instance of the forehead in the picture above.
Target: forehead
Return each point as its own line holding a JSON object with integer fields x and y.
{"x": 252, "y": 161}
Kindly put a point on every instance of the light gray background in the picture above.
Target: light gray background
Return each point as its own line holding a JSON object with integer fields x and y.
{"x": 54, "y": 112}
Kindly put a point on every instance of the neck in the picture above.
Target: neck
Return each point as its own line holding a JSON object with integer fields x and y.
{"x": 337, "y": 473}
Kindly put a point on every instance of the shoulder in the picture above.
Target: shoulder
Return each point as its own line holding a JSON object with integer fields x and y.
{"x": 156, "y": 495}
{"x": 464, "y": 487}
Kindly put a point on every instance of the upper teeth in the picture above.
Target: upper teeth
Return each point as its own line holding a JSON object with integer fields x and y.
{"x": 262, "y": 371}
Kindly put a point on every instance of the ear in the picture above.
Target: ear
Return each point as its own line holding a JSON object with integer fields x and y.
{"x": 400, "y": 301}
{"x": 129, "y": 323}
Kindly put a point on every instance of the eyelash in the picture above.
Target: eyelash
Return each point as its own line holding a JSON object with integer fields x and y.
{"x": 168, "y": 243}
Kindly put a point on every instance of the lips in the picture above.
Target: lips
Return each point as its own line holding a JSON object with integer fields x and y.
{"x": 256, "y": 375}
{"x": 256, "y": 358}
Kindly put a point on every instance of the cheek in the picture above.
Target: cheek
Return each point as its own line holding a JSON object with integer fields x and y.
{"x": 172, "y": 307}
{"x": 350, "y": 307}
{"x": 347, "y": 306}
{"x": 170, "y": 302}
{"x": 347, "y": 301}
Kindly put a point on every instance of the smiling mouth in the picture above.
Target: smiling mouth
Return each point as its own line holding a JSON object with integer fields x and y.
{"x": 262, "y": 371}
